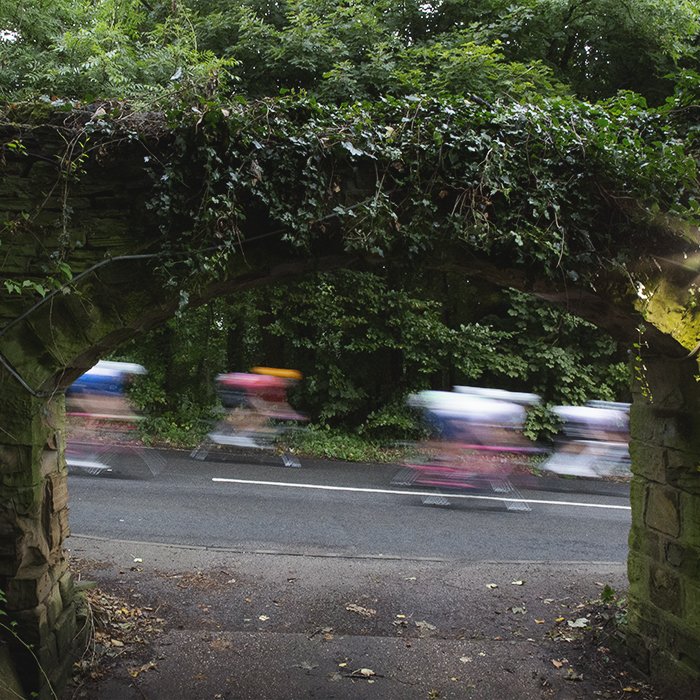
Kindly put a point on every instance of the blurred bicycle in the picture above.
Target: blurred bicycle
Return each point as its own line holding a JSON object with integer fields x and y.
{"x": 476, "y": 444}
{"x": 256, "y": 412}
{"x": 102, "y": 424}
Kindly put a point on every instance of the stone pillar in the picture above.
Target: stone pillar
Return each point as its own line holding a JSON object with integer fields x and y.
{"x": 663, "y": 622}
{"x": 34, "y": 572}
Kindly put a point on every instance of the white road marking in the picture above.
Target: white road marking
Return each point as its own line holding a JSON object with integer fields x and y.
{"x": 396, "y": 492}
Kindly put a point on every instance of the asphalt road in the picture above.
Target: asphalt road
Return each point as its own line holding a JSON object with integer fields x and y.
{"x": 254, "y": 504}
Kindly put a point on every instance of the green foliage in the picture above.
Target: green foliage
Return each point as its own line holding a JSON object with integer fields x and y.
{"x": 599, "y": 47}
{"x": 76, "y": 50}
{"x": 365, "y": 341}
{"x": 560, "y": 357}
{"x": 185, "y": 428}
{"x": 327, "y": 443}
{"x": 343, "y": 52}
{"x": 182, "y": 358}
{"x": 362, "y": 345}
{"x": 610, "y": 596}
{"x": 537, "y": 185}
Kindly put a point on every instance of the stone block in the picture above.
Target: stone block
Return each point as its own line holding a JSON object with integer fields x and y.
{"x": 27, "y": 593}
{"x": 683, "y": 471}
{"x": 636, "y": 648}
{"x": 32, "y": 624}
{"x": 54, "y": 604}
{"x": 648, "y": 461}
{"x": 671, "y": 425}
{"x": 638, "y": 498}
{"x": 675, "y": 677}
{"x": 14, "y": 458}
{"x": 674, "y": 554}
{"x": 665, "y": 590}
{"x": 58, "y": 565}
{"x": 662, "y": 510}
{"x": 47, "y": 654}
{"x": 54, "y": 530}
{"x": 58, "y": 490}
{"x": 11, "y": 537}
{"x": 691, "y": 608}
{"x": 638, "y": 573}
{"x": 57, "y": 529}
{"x": 65, "y": 630}
{"x": 690, "y": 519}
{"x": 29, "y": 355}
{"x": 49, "y": 462}
{"x": 67, "y": 587}
{"x": 646, "y": 542}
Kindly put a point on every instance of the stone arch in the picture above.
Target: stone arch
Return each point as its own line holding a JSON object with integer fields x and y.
{"x": 116, "y": 295}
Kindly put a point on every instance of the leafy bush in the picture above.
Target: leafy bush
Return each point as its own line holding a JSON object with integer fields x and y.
{"x": 327, "y": 443}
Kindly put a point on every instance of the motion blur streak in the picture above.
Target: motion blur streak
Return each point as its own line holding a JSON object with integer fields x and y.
{"x": 256, "y": 411}
{"x": 102, "y": 422}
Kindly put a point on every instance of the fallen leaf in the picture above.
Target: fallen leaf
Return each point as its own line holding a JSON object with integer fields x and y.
{"x": 365, "y": 612}
{"x": 580, "y": 622}
{"x": 264, "y": 618}
{"x": 146, "y": 667}
{"x": 498, "y": 639}
{"x": 138, "y": 559}
{"x": 465, "y": 659}
{"x": 401, "y": 616}
{"x": 491, "y": 586}
{"x": 343, "y": 665}
{"x": 425, "y": 626}
{"x": 540, "y": 622}
{"x": 518, "y": 583}
{"x": 116, "y": 643}
{"x": 307, "y": 665}
{"x": 411, "y": 578}
{"x": 548, "y": 601}
{"x": 522, "y": 611}
{"x": 630, "y": 690}
{"x": 559, "y": 619}
{"x": 558, "y": 664}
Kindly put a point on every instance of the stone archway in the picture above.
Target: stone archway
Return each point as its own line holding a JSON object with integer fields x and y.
{"x": 116, "y": 295}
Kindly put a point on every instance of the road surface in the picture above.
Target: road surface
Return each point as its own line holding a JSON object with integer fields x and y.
{"x": 336, "y": 509}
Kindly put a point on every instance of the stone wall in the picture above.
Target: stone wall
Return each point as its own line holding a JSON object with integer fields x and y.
{"x": 663, "y": 623}
{"x": 34, "y": 572}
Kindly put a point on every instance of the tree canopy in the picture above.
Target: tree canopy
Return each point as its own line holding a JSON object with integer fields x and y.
{"x": 347, "y": 50}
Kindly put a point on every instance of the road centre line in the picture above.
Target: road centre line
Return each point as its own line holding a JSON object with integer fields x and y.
{"x": 396, "y": 492}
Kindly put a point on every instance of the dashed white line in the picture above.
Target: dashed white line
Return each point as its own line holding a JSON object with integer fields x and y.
{"x": 397, "y": 492}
